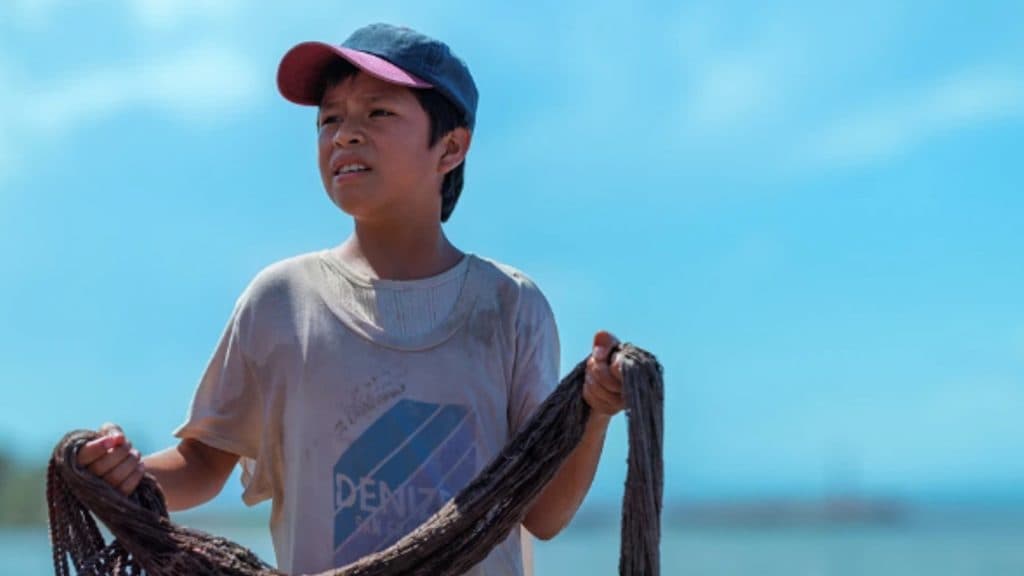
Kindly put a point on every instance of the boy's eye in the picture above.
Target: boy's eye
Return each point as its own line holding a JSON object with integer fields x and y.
{"x": 380, "y": 112}
{"x": 328, "y": 120}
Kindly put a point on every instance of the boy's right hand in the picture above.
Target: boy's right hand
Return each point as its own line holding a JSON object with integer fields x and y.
{"x": 112, "y": 458}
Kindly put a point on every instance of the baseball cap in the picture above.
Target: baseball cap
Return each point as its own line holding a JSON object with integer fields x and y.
{"x": 395, "y": 54}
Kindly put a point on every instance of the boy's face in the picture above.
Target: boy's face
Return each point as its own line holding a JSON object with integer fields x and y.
{"x": 382, "y": 129}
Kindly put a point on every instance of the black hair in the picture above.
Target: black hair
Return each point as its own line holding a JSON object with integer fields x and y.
{"x": 444, "y": 117}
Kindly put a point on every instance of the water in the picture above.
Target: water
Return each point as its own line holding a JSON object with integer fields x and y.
{"x": 874, "y": 551}
{"x": 792, "y": 552}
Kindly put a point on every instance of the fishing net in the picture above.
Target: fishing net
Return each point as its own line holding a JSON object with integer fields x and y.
{"x": 450, "y": 542}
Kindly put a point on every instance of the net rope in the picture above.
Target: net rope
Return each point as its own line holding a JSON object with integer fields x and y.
{"x": 450, "y": 542}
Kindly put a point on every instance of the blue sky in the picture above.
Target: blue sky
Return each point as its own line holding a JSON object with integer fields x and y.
{"x": 811, "y": 212}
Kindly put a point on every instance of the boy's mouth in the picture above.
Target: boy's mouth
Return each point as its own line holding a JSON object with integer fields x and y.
{"x": 351, "y": 169}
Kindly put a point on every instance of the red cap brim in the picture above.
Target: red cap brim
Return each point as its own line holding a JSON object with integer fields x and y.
{"x": 301, "y": 70}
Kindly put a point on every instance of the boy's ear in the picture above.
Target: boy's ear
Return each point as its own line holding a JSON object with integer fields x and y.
{"x": 456, "y": 145}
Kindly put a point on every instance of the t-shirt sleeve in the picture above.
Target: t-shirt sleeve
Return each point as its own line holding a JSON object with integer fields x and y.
{"x": 537, "y": 356}
{"x": 226, "y": 410}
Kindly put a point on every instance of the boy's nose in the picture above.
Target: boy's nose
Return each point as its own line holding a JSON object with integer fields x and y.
{"x": 347, "y": 134}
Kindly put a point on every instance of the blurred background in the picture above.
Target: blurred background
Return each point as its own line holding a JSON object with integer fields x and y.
{"x": 811, "y": 212}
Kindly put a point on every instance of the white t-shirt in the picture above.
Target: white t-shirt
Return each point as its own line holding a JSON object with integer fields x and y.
{"x": 359, "y": 433}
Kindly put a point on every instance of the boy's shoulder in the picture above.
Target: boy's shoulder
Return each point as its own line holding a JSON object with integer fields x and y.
{"x": 513, "y": 283}
{"x": 505, "y": 273}
{"x": 287, "y": 278}
{"x": 289, "y": 269}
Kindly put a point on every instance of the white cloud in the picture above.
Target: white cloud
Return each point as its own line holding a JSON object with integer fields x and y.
{"x": 9, "y": 102}
{"x": 200, "y": 85}
{"x": 31, "y": 13}
{"x": 785, "y": 92}
{"x": 734, "y": 82}
{"x": 168, "y": 13}
{"x": 733, "y": 89}
{"x": 895, "y": 127}
{"x": 194, "y": 84}
{"x": 149, "y": 13}
{"x": 6, "y": 156}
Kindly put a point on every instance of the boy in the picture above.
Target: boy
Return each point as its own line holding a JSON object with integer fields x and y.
{"x": 362, "y": 386}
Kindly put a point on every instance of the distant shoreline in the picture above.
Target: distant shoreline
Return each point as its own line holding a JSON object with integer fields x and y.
{"x": 746, "y": 514}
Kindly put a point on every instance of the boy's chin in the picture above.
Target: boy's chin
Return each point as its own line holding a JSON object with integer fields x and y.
{"x": 349, "y": 202}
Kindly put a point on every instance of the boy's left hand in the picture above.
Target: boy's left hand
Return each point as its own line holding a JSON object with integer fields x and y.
{"x": 602, "y": 386}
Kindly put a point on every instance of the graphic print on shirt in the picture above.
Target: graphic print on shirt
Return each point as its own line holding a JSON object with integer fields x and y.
{"x": 409, "y": 462}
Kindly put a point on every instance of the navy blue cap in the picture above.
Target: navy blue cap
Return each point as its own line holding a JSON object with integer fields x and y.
{"x": 392, "y": 53}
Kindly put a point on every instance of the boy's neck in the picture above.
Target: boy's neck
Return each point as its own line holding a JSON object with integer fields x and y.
{"x": 401, "y": 252}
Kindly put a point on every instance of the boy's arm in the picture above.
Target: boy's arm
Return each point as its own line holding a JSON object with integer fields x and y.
{"x": 190, "y": 473}
{"x": 559, "y": 500}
